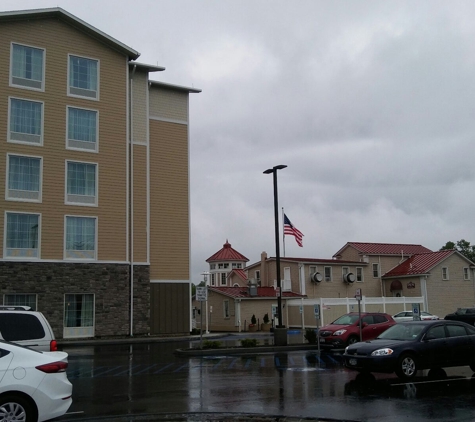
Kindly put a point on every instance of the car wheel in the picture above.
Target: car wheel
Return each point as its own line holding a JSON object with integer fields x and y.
{"x": 352, "y": 340}
{"x": 406, "y": 368}
{"x": 16, "y": 408}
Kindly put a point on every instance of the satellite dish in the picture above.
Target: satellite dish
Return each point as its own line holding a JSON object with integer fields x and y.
{"x": 316, "y": 277}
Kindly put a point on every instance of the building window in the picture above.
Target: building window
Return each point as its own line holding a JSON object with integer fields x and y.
{"x": 83, "y": 77}
{"x": 226, "y": 308}
{"x": 22, "y": 235}
{"x": 82, "y": 129}
{"x": 223, "y": 266}
{"x": 79, "y": 315}
{"x": 20, "y": 300}
{"x": 257, "y": 275}
{"x": 80, "y": 237}
{"x": 27, "y": 67}
{"x": 445, "y": 273}
{"x": 81, "y": 186}
{"x": 212, "y": 266}
{"x": 213, "y": 279}
{"x": 24, "y": 178}
{"x": 26, "y": 122}
{"x": 344, "y": 271}
{"x": 359, "y": 274}
{"x": 328, "y": 273}
{"x": 223, "y": 279}
{"x": 237, "y": 265}
{"x": 466, "y": 273}
{"x": 375, "y": 270}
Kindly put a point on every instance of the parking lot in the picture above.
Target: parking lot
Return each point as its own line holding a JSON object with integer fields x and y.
{"x": 146, "y": 379}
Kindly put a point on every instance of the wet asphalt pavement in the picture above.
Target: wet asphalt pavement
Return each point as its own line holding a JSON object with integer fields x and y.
{"x": 146, "y": 381}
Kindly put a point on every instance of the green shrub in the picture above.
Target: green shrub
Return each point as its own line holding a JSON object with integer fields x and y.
{"x": 249, "y": 342}
{"x": 211, "y": 344}
{"x": 266, "y": 319}
{"x": 253, "y": 319}
{"x": 310, "y": 335}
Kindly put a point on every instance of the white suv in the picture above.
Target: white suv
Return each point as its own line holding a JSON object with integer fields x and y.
{"x": 20, "y": 325}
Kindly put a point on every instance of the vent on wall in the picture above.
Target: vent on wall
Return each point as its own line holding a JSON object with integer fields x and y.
{"x": 349, "y": 278}
{"x": 316, "y": 277}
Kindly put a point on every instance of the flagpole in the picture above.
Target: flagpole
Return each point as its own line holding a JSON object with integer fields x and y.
{"x": 283, "y": 234}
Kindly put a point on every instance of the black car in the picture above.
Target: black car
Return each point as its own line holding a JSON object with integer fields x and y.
{"x": 410, "y": 346}
{"x": 463, "y": 314}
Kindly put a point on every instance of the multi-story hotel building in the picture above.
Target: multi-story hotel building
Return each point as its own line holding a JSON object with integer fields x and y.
{"x": 95, "y": 202}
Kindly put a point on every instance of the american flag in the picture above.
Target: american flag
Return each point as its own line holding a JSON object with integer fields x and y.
{"x": 291, "y": 230}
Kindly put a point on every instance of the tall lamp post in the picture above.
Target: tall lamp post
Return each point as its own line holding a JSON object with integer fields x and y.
{"x": 205, "y": 275}
{"x": 280, "y": 332}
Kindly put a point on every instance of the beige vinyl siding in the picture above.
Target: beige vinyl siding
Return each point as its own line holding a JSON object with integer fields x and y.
{"x": 140, "y": 118}
{"x": 169, "y": 104}
{"x": 140, "y": 203}
{"x": 59, "y": 40}
{"x": 169, "y": 201}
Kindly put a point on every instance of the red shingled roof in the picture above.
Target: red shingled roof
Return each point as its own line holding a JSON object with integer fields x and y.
{"x": 227, "y": 253}
{"x": 385, "y": 248}
{"x": 239, "y": 272}
{"x": 262, "y": 292}
{"x": 419, "y": 263}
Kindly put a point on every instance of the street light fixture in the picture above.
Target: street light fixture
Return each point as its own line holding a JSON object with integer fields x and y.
{"x": 280, "y": 332}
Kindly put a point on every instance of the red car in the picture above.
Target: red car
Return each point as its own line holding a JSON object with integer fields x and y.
{"x": 346, "y": 329}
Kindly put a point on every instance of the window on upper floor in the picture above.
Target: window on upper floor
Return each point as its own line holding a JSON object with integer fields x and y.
{"x": 25, "y": 124}
{"x": 212, "y": 266}
{"x": 328, "y": 273}
{"x": 223, "y": 279}
{"x": 257, "y": 275}
{"x": 80, "y": 237}
{"x": 82, "y": 129}
{"x": 376, "y": 270}
{"x": 213, "y": 279}
{"x": 81, "y": 183}
{"x": 27, "y": 67}
{"x": 83, "y": 77}
{"x": 19, "y": 299}
{"x": 237, "y": 265}
{"x": 22, "y": 235}
{"x": 359, "y": 274}
{"x": 23, "y": 178}
{"x": 445, "y": 273}
{"x": 466, "y": 273}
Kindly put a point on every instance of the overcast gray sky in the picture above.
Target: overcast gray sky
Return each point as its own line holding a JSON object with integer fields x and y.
{"x": 370, "y": 104}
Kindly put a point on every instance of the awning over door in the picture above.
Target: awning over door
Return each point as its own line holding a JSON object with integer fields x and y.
{"x": 395, "y": 285}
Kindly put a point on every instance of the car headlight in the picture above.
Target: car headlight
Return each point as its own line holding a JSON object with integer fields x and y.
{"x": 339, "y": 332}
{"x": 383, "y": 352}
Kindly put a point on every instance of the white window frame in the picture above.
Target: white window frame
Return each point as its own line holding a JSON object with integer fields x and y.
{"x": 82, "y": 200}
{"x": 21, "y": 253}
{"x": 445, "y": 273}
{"x": 25, "y": 138}
{"x": 373, "y": 266}
{"x": 16, "y": 81}
{"x": 466, "y": 273}
{"x": 23, "y": 195}
{"x": 82, "y": 331}
{"x": 80, "y": 255}
{"x": 223, "y": 279}
{"x": 226, "y": 313}
{"x": 76, "y": 92}
{"x": 344, "y": 271}
{"x": 328, "y": 279}
{"x": 213, "y": 279}
{"x": 257, "y": 275}
{"x": 360, "y": 269}
{"x": 78, "y": 144}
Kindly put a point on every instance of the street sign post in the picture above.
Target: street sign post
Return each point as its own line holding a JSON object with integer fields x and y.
{"x": 201, "y": 296}
{"x": 358, "y": 296}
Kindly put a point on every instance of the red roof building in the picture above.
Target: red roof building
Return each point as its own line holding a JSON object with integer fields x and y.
{"x": 225, "y": 267}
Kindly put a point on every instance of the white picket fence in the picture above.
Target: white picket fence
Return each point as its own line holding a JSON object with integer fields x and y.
{"x": 332, "y": 308}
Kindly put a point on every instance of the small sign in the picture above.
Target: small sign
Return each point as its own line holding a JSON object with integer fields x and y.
{"x": 411, "y": 285}
{"x": 416, "y": 311}
{"x": 301, "y": 309}
{"x": 201, "y": 294}
{"x": 316, "y": 311}
{"x": 274, "y": 311}
{"x": 358, "y": 294}
{"x": 277, "y": 291}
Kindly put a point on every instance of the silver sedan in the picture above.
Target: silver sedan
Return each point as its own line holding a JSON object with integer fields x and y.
{"x": 407, "y": 316}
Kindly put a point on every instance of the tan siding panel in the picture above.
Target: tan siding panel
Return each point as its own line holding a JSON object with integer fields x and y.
{"x": 169, "y": 104}
{"x": 140, "y": 203}
{"x": 140, "y": 118}
{"x": 169, "y": 202}
{"x": 59, "y": 39}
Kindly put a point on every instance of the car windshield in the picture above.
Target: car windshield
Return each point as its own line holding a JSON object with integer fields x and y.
{"x": 463, "y": 311}
{"x": 402, "y": 332}
{"x": 346, "y": 320}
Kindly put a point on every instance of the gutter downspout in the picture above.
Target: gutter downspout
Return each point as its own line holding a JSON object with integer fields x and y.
{"x": 131, "y": 146}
